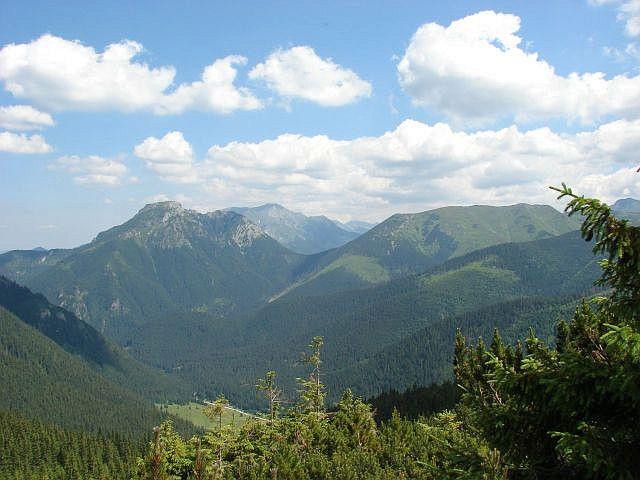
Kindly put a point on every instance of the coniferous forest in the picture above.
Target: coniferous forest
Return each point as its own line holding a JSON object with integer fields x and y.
{"x": 304, "y": 240}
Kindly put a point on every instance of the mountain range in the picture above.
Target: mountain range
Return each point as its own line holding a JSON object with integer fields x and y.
{"x": 214, "y": 299}
{"x": 298, "y": 232}
{"x": 389, "y": 335}
{"x": 168, "y": 259}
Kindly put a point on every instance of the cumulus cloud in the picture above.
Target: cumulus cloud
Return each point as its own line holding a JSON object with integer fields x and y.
{"x": 417, "y": 166}
{"x": 300, "y": 73}
{"x": 475, "y": 70}
{"x": 215, "y": 92}
{"x": 61, "y": 74}
{"x": 95, "y": 170}
{"x": 170, "y": 156}
{"x": 21, "y": 143}
{"x": 24, "y": 117}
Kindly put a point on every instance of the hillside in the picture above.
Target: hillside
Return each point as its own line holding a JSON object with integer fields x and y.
{"x": 360, "y": 326}
{"x": 84, "y": 342}
{"x": 296, "y": 231}
{"x": 410, "y": 243}
{"x": 34, "y": 449}
{"x": 41, "y": 380}
{"x": 165, "y": 259}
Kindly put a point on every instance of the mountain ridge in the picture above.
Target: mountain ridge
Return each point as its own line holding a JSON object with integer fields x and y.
{"x": 301, "y": 233}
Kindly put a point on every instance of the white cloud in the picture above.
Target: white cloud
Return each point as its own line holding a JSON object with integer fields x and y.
{"x": 163, "y": 197}
{"x": 21, "y": 143}
{"x": 475, "y": 71}
{"x": 170, "y": 156}
{"x": 95, "y": 170}
{"x": 628, "y": 12}
{"x": 60, "y": 74}
{"x": 215, "y": 92}
{"x": 24, "y": 117}
{"x": 300, "y": 73}
{"x": 415, "y": 167}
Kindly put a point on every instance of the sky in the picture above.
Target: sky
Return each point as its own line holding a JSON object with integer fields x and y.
{"x": 355, "y": 110}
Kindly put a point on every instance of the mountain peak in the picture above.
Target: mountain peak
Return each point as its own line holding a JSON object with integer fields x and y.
{"x": 272, "y": 205}
{"x": 297, "y": 231}
{"x": 169, "y": 205}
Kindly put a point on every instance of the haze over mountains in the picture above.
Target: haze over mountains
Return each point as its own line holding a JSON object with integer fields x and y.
{"x": 298, "y": 232}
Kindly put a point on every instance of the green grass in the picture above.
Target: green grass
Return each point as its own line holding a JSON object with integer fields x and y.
{"x": 366, "y": 268}
{"x": 194, "y": 413}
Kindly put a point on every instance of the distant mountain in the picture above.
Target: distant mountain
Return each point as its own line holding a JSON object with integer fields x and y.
{"x": 165, "y": 259}
{"x": 355, "y": 226}
{"x": 630, "y": 205}
{"x": 22, "y": 265}
{"x": 300, "y": 233}
{"x": 409, "y": 243}
{"x": 628, "y": 208}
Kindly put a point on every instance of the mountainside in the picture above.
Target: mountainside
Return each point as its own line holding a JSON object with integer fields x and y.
{"x": 21, "y": 265}
{"x": 165, "y": 259}
{"x": 301, "y": 233}
{"x": 43, "y": 381}
{"x": 84, "y": 342}
{"x": 361, "y": 327}
{"x": 410, "y": 243}
{"x": 37, "y": 450}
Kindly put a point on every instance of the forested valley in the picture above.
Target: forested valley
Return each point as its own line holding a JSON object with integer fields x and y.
{"x": 504, "y": 362}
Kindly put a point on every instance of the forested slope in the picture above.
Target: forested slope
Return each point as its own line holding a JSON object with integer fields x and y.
{"x": 30, "y": 449}
{"x": 82, "y": 340}
{"x": 410, "y": 243}
{"x": 42, "y": 380}
{"x": 363, "y": 327}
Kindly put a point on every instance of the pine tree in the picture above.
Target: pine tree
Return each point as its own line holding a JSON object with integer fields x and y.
{"x": 312, "y": 391}
{"x": 216, "y": 409}
{"x": 268, "y": 386}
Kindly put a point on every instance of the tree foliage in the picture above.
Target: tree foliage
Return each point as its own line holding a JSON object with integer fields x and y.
{"x": 569, "y": 411}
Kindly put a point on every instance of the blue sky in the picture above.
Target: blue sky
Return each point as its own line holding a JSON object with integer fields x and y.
{"x": 356, "y": 110}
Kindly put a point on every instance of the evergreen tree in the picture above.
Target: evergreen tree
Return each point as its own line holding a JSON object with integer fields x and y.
{"x": 268, "y": 386}
{"x": 311, "y": 390}
{"x": 216, "y": 409}
{"x": 571, "y": 411}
